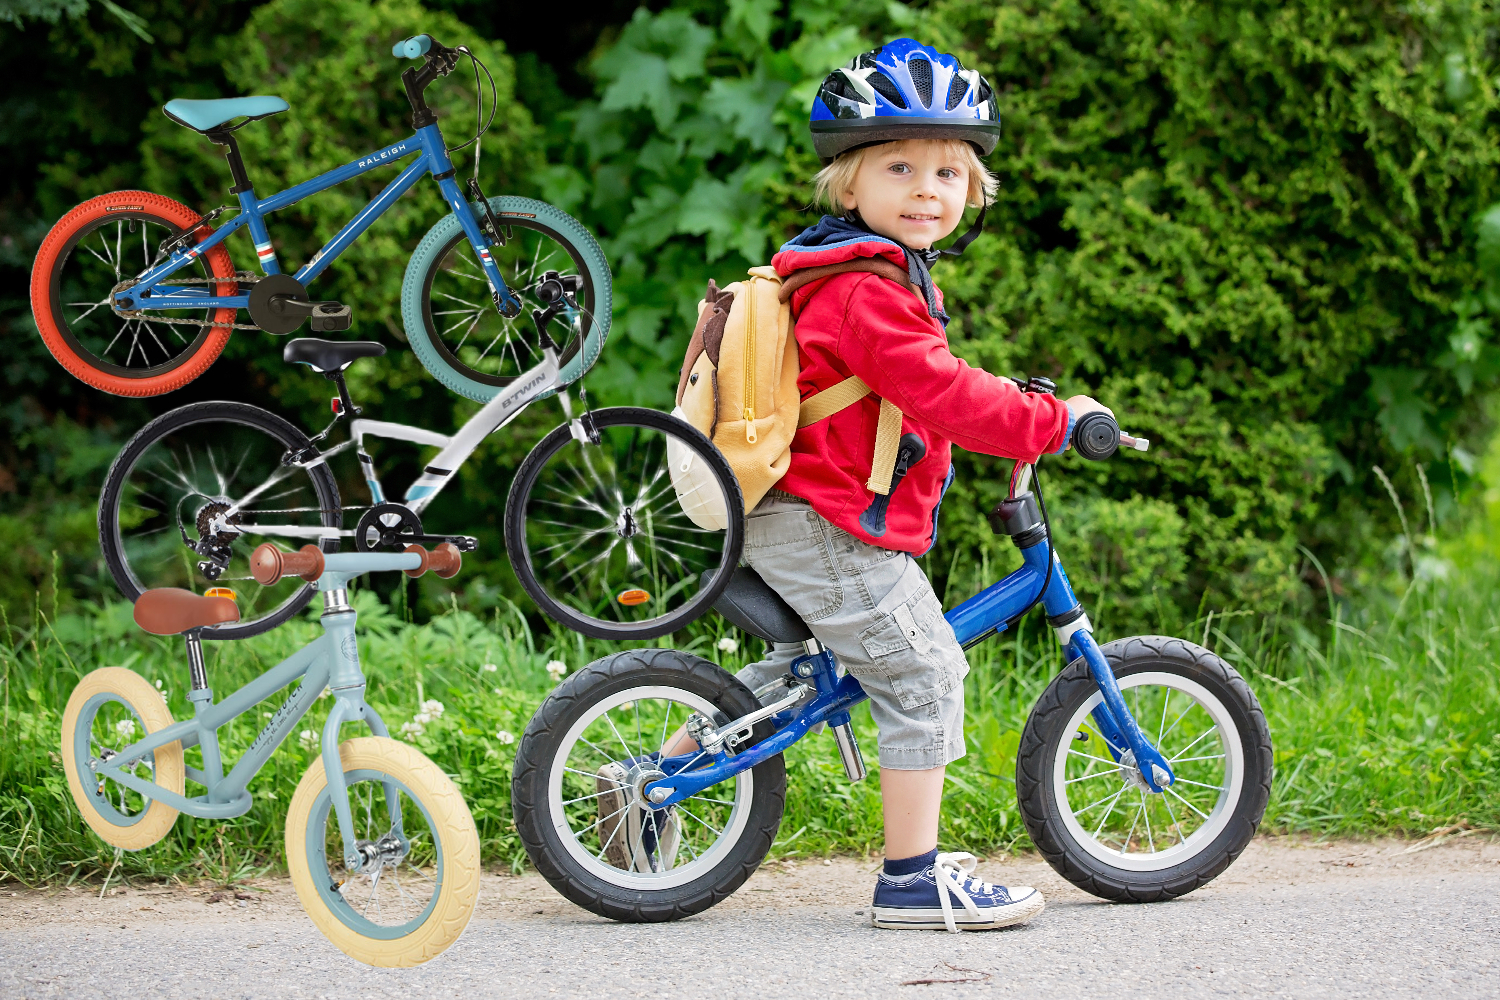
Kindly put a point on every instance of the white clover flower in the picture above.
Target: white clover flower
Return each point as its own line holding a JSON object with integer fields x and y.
{"x": 411, "y": 729}
{"x": 556, "y": 669}
{"x": 488, "y": 668}
{"x": 505, "y": 737}
{"x": 308, "y": 738}
{"x": 125, "y": 727}
{"x": 728, "y": 645}
{"x": 158, "y": 684}
{"x": 421, "y": 718}
{"x": 432, "y": 707}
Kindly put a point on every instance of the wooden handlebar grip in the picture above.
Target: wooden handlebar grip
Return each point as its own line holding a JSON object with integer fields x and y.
{"x": 445, "y": 560}
{"x": 421, "y": 553}
{"x": 269, "y": 564}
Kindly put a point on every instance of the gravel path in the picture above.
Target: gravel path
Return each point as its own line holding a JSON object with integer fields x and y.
{"x": 1289, "y": 919}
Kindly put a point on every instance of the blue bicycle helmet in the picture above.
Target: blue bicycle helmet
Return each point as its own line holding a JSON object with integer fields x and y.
{"x": 904, "y": 90}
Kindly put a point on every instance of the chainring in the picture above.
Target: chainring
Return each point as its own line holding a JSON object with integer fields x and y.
{"x": 386, "y": 525}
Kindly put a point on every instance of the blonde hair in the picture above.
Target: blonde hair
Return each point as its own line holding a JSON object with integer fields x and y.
{"x": 833, "y": 180}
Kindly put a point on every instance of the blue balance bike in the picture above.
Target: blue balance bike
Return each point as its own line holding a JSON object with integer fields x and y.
{"x": 135, "y": 293}
{"x": 1142, "y": 773}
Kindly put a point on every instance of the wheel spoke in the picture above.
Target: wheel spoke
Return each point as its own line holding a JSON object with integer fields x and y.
{"x": 1190, "y": 746}
{"x": 1179, "y": 798}
{"x": 1108, "y": 811}
{"x": 1146, "y": 814}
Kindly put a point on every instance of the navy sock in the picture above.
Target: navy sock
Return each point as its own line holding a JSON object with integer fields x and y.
{"x": 910, "y": 866}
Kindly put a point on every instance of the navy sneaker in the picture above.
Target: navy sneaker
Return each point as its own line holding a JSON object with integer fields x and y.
{"x": 924, "y": 901}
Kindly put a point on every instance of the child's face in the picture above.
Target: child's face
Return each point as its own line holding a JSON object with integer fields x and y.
{"x": 912, "y": 192}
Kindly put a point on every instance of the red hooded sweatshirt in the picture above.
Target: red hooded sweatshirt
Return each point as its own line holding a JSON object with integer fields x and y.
{"x": 859, "y": 323}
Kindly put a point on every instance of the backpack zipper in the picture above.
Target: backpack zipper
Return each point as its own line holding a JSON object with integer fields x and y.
{"x": 750, "y": 435}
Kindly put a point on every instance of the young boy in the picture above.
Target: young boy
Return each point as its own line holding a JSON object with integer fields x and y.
{"x": 900, "y": 130}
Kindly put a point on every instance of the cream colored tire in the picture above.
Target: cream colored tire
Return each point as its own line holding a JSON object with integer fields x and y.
{"x": 310, "y": 821}
{"x": 116, "y": 684}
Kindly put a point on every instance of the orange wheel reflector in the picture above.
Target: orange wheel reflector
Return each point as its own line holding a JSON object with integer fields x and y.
{"x": 630, "y": 598}
{"x": 221, "y": 592}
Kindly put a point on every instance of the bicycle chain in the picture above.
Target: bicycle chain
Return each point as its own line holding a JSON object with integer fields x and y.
{"x": 242, "y": 277}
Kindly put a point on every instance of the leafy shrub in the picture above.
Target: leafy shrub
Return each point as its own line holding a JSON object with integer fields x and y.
{"x": 1247, "y": 227}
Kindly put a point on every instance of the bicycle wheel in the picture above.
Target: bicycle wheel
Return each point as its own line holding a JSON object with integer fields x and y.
{"x": 1090, "y": 813}
{"x": 450, "y": 317}
{"x": 162, "y": 515}
{"x": 577, "y": 800}
{"x": 415, "y": 895}
{"x": 604, "y": 543}
{"x": 100, "y": 246}
{"x": 110, "y": 709}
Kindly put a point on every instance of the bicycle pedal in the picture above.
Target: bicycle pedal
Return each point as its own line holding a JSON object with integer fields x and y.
{"x": 330, "y": 317}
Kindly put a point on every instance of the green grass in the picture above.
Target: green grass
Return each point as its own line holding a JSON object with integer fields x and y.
{"x": 1389, "y": 722}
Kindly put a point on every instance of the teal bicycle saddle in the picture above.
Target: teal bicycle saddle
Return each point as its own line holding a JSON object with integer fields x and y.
{"x": 205, "y": 116}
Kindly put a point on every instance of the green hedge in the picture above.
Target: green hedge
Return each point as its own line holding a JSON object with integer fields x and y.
{"x": 1249, "y": 227}
{"x": 1246, "y": 226}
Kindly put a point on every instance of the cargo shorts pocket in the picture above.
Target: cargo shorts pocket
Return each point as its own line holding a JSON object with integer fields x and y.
{"x": 912, "y": 646}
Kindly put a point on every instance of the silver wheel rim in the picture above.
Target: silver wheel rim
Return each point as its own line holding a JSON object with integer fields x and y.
{"x": 736, "y": 792}
{"x": 1081, "y": 799}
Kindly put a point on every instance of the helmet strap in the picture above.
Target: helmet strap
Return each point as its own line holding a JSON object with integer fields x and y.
{"x": 962, "y": 243}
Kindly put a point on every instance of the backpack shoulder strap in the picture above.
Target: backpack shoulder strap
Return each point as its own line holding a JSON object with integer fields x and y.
{"x": 876, "y": 265}
{"x": 821, "y": 405}
{"x": 851, "y": 390}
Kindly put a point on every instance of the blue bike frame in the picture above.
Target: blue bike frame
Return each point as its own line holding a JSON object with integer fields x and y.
{"x": 432, "y": 157}
{"x": 987, "y": 613}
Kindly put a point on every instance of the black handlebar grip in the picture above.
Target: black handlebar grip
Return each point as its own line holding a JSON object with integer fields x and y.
{"x": 1096, "y": 436}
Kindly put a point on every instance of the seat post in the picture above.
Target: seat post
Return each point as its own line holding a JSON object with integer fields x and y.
{"x": 196, "y": 673}
{"x": 346, "y": 405}
{"x": 236, "y": 163}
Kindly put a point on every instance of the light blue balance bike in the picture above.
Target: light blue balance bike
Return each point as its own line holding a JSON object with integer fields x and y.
{"x": 650, "y": 785}
{"x": 135, "y": 293}
{"x": 381, "y": 846}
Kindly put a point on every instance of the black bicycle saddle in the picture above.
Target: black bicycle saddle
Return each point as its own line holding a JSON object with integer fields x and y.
{"x": 329, "y": 355}
{"x": 751, "y": 604}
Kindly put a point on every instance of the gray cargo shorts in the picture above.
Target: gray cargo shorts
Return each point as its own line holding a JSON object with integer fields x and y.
{"x": 876, "y": 611}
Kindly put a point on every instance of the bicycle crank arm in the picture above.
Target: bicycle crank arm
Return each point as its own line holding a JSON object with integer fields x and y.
{"x": 1155, "y": 769}
{"x": 463, "y": 543}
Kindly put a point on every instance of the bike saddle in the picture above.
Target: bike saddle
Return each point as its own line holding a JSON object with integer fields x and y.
{"x": 750, "y": 603}
{"x": 329, "y": 355}
{"x": 205, "y": 116}
{"x": 170, "y": 610}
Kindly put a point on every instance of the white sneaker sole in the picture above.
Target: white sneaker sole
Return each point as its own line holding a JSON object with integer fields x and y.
{"x": 909, "y": 918}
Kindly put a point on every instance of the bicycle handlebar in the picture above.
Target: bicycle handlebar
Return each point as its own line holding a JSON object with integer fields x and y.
{"x": 414, "y": 47}
{"x": 269, "y": 564}
{"x": 1096, "y": 437}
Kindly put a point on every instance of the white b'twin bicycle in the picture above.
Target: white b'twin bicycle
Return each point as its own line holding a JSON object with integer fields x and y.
{"x": 595, "y": 530}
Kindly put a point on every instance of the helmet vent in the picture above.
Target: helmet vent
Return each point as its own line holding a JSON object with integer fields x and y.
{"x": 987, "y": 95}
{"x": 921, "y": 76}
{"x": 957, "y": 88}
{"x": 886, "y": 87}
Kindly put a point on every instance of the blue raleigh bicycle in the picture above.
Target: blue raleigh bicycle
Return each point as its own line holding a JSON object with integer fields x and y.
{"x": 1142, "y": 773}
{"x": 135, "y": 293}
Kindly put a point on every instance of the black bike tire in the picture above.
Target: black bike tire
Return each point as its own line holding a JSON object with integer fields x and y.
{"x": 1042, "y": 737}
{"x": 288, "y": 435}
{"x": 525, "y": 480}
{"x": 538, "y": 747}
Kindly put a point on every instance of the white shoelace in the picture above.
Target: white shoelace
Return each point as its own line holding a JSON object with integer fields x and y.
{"x": 953, "y": 875}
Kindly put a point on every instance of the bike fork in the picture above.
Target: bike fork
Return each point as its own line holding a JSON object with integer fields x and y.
{"x": 348, "y": 686}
